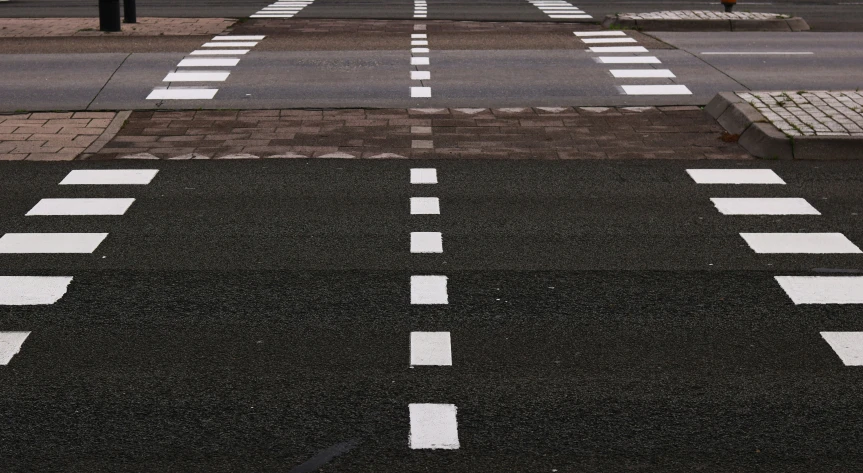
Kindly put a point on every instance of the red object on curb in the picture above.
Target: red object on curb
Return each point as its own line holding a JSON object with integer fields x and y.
{"x": 728, "y": 4}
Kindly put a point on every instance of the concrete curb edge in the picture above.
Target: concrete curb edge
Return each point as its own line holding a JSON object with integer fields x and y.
{"x": 110, "y": 132}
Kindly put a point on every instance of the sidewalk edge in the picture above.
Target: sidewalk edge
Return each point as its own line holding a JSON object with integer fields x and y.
{"x": 110, "y": 132}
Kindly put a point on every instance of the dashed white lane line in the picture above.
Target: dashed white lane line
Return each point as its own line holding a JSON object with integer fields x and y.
{"x": 734, "y": 176}
{"x": 800, "y": 243}
{"x": 420, "y": 9}
{"x": 674, "y": 89}
{"x": 433, "y": 426}
{"x": 559, "y": 9}
{"x": 282, "y": 9}
{"x": 110, "y": 177}
{"x": 848, "y": 345}
{"x": 219, "y": 76}
{"x": 423, "y": 176}
{"x": 419, "y": 61}
{"x": 218, "y": 52}
{"x": 10, "y": 345}
{"x": 618, "y": 49}
{"x": 642, "y": 73}
{"x": 228, "y": 44}
{"x": 425, "y": 206}
{"x": 426, "y": 242}
{"x": 182, "y": 94}
{"x": 421, "y": 92}
{"x": 47, "y": 207}
{"x": 208, "y": 62}
{"x": 50, "y": 243}
{"x": 429, "y": 290}
{"x": 33, "y": 290}
{"x": 420, "y": 75}
{"x": 823, "y": 289}
{"x": 586, "y": 34}
{"x": 764, "y": 206}
{"x": 628, "y": 60}
{"x": 239, "y": 38}
{"x": 431, "y": 349}
{"x": 608, "y": 40}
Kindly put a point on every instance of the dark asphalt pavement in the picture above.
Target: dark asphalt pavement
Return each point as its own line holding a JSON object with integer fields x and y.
{"x": 248, "y": 316}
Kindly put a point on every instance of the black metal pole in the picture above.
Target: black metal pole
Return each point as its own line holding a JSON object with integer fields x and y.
{"x": 109, "y": 15}
{"x": 129, "y": 13}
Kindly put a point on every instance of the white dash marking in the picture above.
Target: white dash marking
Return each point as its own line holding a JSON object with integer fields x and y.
{"x": 641, "y": 73}
{"x": 420, "y": 75}
{"x": 44, "y": 243}
{"x": 823, "y": 289}
{"x": 201, "y": 62}
{"x": 734, "y": 176}
{"x": 425, "y": 206}
{"x": 419, "y": 42}
{"x": 433, "y": 426}
{"x": 764, "y": 206}
{"x": 182, "y": 94}
{"x": 110, "y": 176}
{"x": 431, "y": 349}
{"x": 618, "y": 49}
{"x": 675, "y": 89}
{"x": 228, "y": 44}
{"x": 629, "y": 60}
{"x": 423, "y": 176}
{"x": 419, "y": 50}
{"x": 848, "y": 345}
{"x": 218, "y": 52}
{"x": 582, "y": 34}
{"x": 419, "y": 36}
{"x": 239, "y": 38}
{"x": 81, "y": 207}
{"x": 421, "y": 92}
{"x": 609, "y": 40}
{"x": 196, "y": 77}
{"x": 426, "y": 242}
{"x": 429, "y": 290}
{"x": 419, "y": 61}
{"x": 575, "y": 17}
{"x": 10, "y": 345}
{"x": 800, "y": 243}
{"x": 32, "y": 290}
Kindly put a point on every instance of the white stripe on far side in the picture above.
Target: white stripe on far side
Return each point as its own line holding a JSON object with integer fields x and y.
{"x": 110, "y": 176}
{"x": 431, "y": 349}
{"x": 229, "y": 44}
{"x": 675, "y": 89}
{"x": 32, "y": 290}
{"x": 423, "y": 176}
{"x": 10, "y": 345}
{"x": 608, "y": 40}
{"x": 200, "y": 62}
{"x": 734, "y": 176}
{"x": 433, "y": 426}
{"x": 214, "y": 76}
{"x": 848, "y": 345}
{"x": 823, "y": 289}
{"x": 81, "y": 207}
{"x": 642, "y": 73}
{"x": 50, "y": 243}
{"x": 239, "y": 38}
{"x": 800, "y": 243}
{"x": 421, "y": 92}
{"x": 618, "y": 49}
{"x": 426, "y": 242}
{"x": 763, "y": 206}
{"x": 429, "y": 290}
{"x": 425, "y": 206}
{"x": 629, "y": 60}
{"x": 218, "y": 52}
{"x": 582, "y": 34}
{"x": 182, "y": 94}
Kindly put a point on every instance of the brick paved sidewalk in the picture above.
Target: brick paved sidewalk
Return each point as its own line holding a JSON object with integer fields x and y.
{"x": 44, "y": 27}
{"x": 52, "y": 136}
{"x": 814, "y": 113}
{"x": 525, "y": 133}
{"x": 700, "y": 15}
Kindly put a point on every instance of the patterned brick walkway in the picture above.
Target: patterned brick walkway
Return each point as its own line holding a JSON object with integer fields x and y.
{"x": 43, "y": 27}
{"x": 50, "y": 136}
{"x": 814, "y": 113}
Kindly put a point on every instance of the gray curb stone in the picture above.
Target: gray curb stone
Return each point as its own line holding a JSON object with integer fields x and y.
{"x": 789, "y": 24}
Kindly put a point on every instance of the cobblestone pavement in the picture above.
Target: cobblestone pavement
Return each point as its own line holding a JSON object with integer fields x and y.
{"x": 700, "y": 15}
{"x": 512, "y": 133}
{"x": 815, "y": 113}
{"x": 43, "y": 27}
{"x": 50, "y": 136}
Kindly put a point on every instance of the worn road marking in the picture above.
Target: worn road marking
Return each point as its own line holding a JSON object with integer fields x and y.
{"x": 629, "y": 60}
{"x": 800, "y": 243}
{"x": 10, "y": 345}
{"x": 823, "y": 289}
{"x": 110, "y": 176}
{"x": 426, "y": 242}
{"x": 33, "y": 290}
{"x": 218, "y": 52}
{"x": 433, "y": 426}
{"x": 48, "y": 243}
{"x": 421, "y": 92}
{"x": 764, "y": 206}
{"x": 213, "y": 76}
{"x": 228, "y": 44}
{"x": 618, "y": 49}
{"x": 848, "y": 345}
{"x": 81, "y": 207}
{"x": 734, "y": 176}
{"x": 182, "y": 94}
{"x": 675, "y": 89}
{"x": 583, "y": 34}
{"x": 608, "y": 40}
{"x": 200, "y": 62}
{"x": 642, "y": 73}
{"x": 238, "y": 38}
{"x": 425, "y": 206}
{"x": 423, "y": 176}
{"x": 429, "y": 290}
{"x": 431, "y": 349}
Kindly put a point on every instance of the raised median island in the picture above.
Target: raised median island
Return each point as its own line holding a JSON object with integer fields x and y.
{"x": 705, "y": 20}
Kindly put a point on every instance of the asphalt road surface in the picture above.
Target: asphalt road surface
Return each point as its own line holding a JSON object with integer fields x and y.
{"x": 604, "y": 316}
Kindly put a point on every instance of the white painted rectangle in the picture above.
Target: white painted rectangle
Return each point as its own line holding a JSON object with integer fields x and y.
{"x": 10, "y": 345}
{"x": 800, "y": 243}
{"x": 81, "y": 207}
{"x": 182, "y": 94}
{"x": 431, "y": 349}
{"x": 50, "y": 243}
{"x": 425, "y": 206}
{"x": 271, "y": 15}
{"x": 608, "y": 40}
{"x": 433, "y": 426}
{"x": 848, "y": 345}
{"x": 618, "y": 49}
{"x": 419, "y": 61}
{"x": 423, "y": 176}
{"x": 764, "y": 206}
{"x": 573, "y": 17}
{"x": 419, "y": 50}
{"x": 421, "y": 92}
{"x": 218, "y": 52}
{"x": 629, "y": 60}
{"x": 641, "y": 73}
{"x": 419, "y": 36}
{"x": 110, "y": 176}
{"x": 239, "y": 38}
{"x": 419, "y": 42}
{"x": 429, "y": 290}
{"x": 32, "y": 290}
{"x": 420, "y": 75}
{"x": 734, "y": 176}
{"x": 823, "y": 289}
{"x": 228, "y": 44}
{"x": 426, "y": 242}
{"x": 583, "y": 34}
{"x": 656, "y": 90}
{"x": 208, "y": 62}
{"x": 220, "y": 76}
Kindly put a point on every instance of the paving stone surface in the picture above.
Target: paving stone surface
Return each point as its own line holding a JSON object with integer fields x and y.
{"x": 44, "y": 27}
{"x": 50, "y": 136}
{"x": 811, "y": 113}
{"x": 511, "y": 133}
{"x": 700, "y": 15}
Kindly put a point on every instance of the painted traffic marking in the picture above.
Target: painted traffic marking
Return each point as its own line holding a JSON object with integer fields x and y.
{"x": 800, "y": 243}
{"x": 10, "y": 345}
{"x": 423, "y": 92}
{"x": 282, "y": 9}
{"x": 47, "y": 207}
{"x": 182, "y": 94}
{"x": 608, "y": 40}
{"x": 629, "y": 60}
{"x": 429, "y": 290}
{"x": 764, "y": 206}
{"x": 419, "y": 50}
{"x": 425, "y": 206}
{"x": 675, "y": 89}
{"x": 50, "y": 243}
{"x": 110, "y": 177}
{"x": 426, "y": 242}
{"x": 218, "y": 52}
{"x": 419, "y": 36}
{"x": 419, "y": 42}
{"x": 734, "y": 176}
{"x": 208, "y": 62}
{"x": 431, "y": 349}
{"x": 228, "y": 44}
{"x": 220, "y": 76}
{"x": 823, "y": 289}
{"x": 641, "y": 73}
{"x": 583, "y": 34}
{"x": 419, "y": 61}
{"x": 420, "y": 75}
{"x": 433, "y": 426}
{"x": 33, "y": 290}
{"x": 618, "y": 49}
{"x": 239, "y": 38}
{"x": 848, "y": 345}
{"x": 423, "y": 176}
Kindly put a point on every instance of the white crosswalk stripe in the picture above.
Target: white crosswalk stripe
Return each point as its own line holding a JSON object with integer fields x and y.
{"x": 47, "y": 207}
{"x": 433, "y": 426}
{"x": 848, "y": 345}
{"x": 47, "y": 243}
{"x": 800, "y": 243}
{"x": 10, "y": 345}
{"x": 33, "y": 290}
{"x": 734, "y": 176}
{"x": 763, "y": 206}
